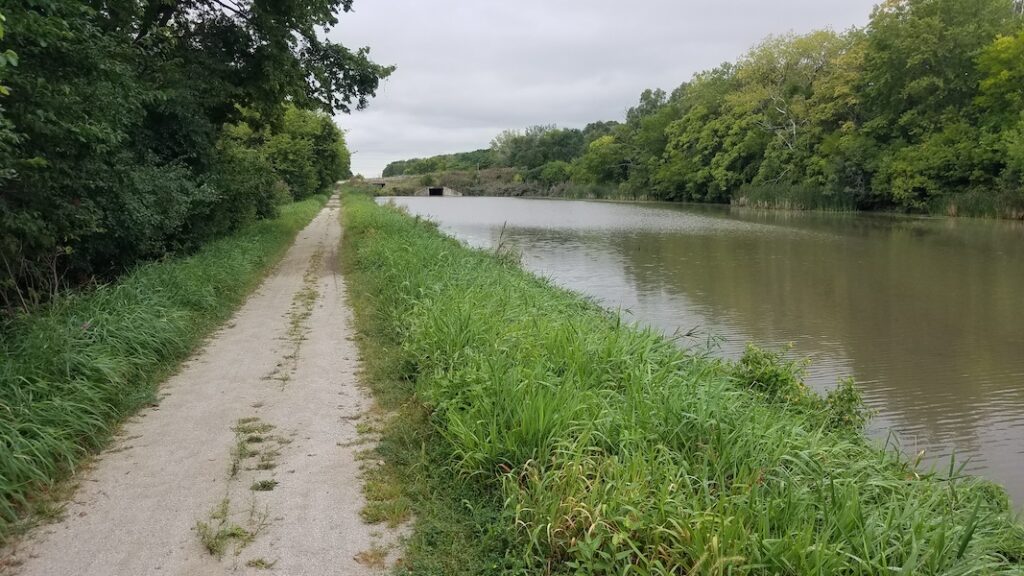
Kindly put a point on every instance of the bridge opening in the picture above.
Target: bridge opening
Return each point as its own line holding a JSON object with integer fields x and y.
{"x": 435, "y": 191}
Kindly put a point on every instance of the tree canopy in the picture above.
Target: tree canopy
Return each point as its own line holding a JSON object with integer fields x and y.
{"x": 120, "y": 124}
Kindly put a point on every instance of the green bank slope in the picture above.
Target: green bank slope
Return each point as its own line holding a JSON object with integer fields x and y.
{"x": 71, "y": 372}
{"x": 536, "y": 433}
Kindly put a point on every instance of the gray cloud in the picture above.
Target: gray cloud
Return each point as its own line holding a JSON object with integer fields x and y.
{"x": 470, "y": 69}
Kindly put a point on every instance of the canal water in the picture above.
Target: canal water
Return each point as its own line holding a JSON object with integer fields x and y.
{"x": 926, "y": 314}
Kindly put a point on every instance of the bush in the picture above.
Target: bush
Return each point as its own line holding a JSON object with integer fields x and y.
{"x": 845, "y": 409}
{"x": 155, "y": 204}
{"x": 279, "y": 193}
{"x": 771, "y": 374}
{"x": 555, "y": 172}
{"x": 781, "y": 381}
{"x": 292, "y": 159}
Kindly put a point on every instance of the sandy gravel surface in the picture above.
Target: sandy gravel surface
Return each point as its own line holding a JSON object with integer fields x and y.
{"x": 252, "y": 449}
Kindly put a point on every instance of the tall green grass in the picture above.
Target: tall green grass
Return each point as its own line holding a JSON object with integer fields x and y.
{"x": 603, "y": 448}
{"x": 1004, "y": 203}
{"x": 70, "y": 372}
{"x": 793, "y": 197}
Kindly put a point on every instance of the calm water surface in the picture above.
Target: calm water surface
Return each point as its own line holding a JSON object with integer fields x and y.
{"x": 926, "y": 314}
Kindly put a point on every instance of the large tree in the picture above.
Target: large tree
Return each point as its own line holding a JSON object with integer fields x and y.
{"x": 919, "y": 85}
{"x": 116, "y": 110}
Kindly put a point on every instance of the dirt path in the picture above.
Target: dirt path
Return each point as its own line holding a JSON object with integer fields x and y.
{"x": 248, "y": 465}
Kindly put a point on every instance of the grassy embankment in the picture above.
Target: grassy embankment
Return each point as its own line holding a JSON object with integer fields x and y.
{"x": 72, "y": 371}
{"x": 536, "y": 433}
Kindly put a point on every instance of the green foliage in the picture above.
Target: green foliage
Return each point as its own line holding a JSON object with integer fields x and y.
{"x": 71, "y": 372}
{"x": 292, "y": 158}
{"x": 308, "y": 152}
{"x": 246, "y": 174}
{"x": 844, "y": 407}
{"x": 594, "y": 447}
{"x": 555, "y": 172}
{"x": 780, "y": 381}
{"x": 1013, "y": 141}
{"x": 918, "y": 111}
{"x": 8, "y": 58}
{"x": 793, "y": 197}
{"x": 476, "y": 160}
{"x": 1001, "y": 65}
{"x": 772, "y": 375}
{"x": 536, "y": 146}
{"x": 113, "y": 128}
{"x": 595, "y": 130}
{"x": 604, "y": 161}
{"x": 905, "y": 95}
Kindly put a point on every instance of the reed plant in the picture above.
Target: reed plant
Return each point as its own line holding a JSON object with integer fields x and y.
{"x": 606, "y": 448}
{"x": 71, "y": 371}
{"x": 793, "y": 197}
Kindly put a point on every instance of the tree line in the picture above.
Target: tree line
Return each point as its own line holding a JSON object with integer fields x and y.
{"x": 921, "y": 110}
{"x": 134, "y": 129}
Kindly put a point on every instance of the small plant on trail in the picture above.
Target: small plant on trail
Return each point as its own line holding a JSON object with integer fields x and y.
{"x": 375, "y": 557}
{"x": 267, "y": 459}
{"x": 260, "y": 563}
{"x": 263, "y": 485}
{"x": 298, "y": 318}
{"x": 250, "y": 439}
{"x": 217, "y": 534}
{"x": 252, "y": 425}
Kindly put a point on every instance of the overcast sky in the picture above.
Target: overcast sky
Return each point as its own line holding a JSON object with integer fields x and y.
{"x": 468, "y": 69}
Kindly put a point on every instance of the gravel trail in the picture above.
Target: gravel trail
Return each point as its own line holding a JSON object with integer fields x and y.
{"x": 248, "y": 464}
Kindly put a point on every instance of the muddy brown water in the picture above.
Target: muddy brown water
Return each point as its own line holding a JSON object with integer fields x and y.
{"x": 926, "y": 314}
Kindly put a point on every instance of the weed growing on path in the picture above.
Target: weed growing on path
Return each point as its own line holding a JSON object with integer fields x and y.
{"x": 298, "y": 317}
{"x": 375, "y": 557}
{"x": 260, "y": 563}
{"x": 252, "y": 440}
{"x": 263, "y": 485}
{"x": 219, "y": 532}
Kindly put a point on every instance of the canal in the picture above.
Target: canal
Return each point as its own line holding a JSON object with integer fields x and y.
{"x": 926, "y": 314}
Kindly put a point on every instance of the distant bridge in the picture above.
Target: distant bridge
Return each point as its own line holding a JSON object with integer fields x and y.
{"x": 437, "y": 191}
{"x": 405, "y": 185}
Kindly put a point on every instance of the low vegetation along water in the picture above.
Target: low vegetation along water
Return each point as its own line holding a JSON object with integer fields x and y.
{"x": 567, "y": 442}
{"x": 925, "y": 314}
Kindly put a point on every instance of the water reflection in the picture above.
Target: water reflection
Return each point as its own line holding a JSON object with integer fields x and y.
{"x": 925, "y": 313}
